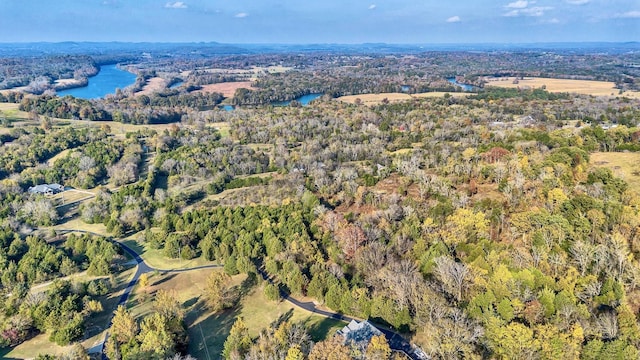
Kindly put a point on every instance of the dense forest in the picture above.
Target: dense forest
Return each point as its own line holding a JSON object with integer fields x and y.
{"x": 477, "y": 226}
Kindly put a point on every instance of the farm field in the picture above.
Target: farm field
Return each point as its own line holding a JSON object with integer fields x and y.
{"x": 623, "y": 165}
{"x": 251, "y": 73}
{"x": 154, "y": 84}
{"x": 67, "y": 82}
{"x": 227, "y": 88}
{"x": 376, "y": 99}
{"x": 584, "y": 87}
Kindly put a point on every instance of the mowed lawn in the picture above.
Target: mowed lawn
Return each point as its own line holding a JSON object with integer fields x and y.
{"x": 585, "y": 87}
{"x": 156, "y": 258}
{"x": 208, "y": 331}
{"x": 625, "y": 165}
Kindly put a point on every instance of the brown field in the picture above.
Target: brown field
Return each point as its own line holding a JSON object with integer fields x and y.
{"x": 439, "y": 94}
{"x": 251, "y": 73}
{"x": 67, "y": 82}
{"x": 227, "y": 89}
{"x": 152, "y": 85}
{"x": 9, "y": 106}
{"x": 376, "y": 99}
{"x": 625, "y": 165}
{"x": 15, "y": 89}
{"x": 584, "y": 87}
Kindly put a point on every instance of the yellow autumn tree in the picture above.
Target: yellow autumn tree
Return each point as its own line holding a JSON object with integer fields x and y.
{"x": 378, "y": 348}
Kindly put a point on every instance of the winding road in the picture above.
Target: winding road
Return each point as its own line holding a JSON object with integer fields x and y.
{"x": 396, "y": 341}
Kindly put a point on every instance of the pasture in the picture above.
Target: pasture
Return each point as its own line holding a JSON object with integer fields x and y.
{"x": 584, "y": 87}
{"x": 625, "y": 165}
{"x": 227, "y": 89}
{"x": 376, "y": 99}
{"x": 152, "y": 85}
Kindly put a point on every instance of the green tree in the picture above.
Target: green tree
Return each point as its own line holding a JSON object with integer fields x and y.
{"x": 238, "y": 341}
{"x": 123, "y": 326}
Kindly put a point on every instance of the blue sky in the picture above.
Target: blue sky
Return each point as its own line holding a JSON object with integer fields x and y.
{"x": 320, "y": 21}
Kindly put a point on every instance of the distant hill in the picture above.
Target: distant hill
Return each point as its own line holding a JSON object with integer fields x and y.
{"x": 201, "y": 49}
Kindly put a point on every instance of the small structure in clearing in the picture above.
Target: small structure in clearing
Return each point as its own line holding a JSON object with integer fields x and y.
{"x": 46, "y": 189}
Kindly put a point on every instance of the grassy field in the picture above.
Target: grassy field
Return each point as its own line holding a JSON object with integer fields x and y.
{"x": 207, "y": 331}
{"x": 585, "y": 87}
{"x": 376, "y": 99}
{"x": 78, "y": 224}
{"x": 223, "y": 128}
{"x": 227, "y": 89}
{"x": 156, "y": 259}
{"x": 623, "y": 165}
{"x": 95, "y": 327}
{"x": 154, "y": 84}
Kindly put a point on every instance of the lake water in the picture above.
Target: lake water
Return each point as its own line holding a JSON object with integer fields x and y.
{"x": 106, "y": 82}
{"x": 179, "y": 83}
{"x": 464, "y": 87}
{"x": 303, "y": 100}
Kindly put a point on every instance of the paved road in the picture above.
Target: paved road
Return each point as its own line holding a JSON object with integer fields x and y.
{"x": 141, "y": 268}
{"x": 396, "y": 341}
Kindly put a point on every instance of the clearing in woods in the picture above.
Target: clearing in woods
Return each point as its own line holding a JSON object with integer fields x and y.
{"x": 227, "y": 89}
{"x": 376, "y": 99}
{"x": 154, "y": 84}
{"x": 584, "y": 87}
{"x": 208, "y": 331}
{"x": 624, "y": 165}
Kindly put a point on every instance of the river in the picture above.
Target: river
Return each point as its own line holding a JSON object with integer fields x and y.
{"x": 464, "y": 87}
{"x": 105, "y": 82}
{"x": 303, "y": 100}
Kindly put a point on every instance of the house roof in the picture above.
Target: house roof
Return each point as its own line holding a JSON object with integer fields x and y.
{"x": 359, "y": 331}
{"x": 44, "y": 188}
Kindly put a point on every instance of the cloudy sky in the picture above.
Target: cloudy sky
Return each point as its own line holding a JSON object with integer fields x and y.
{"x": 320, "y": 21}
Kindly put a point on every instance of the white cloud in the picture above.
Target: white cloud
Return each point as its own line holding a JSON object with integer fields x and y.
{"x": 241, "y": 15}
{"x": 520, "y": 4}
{"x": 535, "y": 11}
{"x": 176, "y": 5}
{"x": 630, "y": 14}
{"x": 553, "y": 21}
{"x": 453, "y": 19}
{"x": 372, "y": 6}
{"x": 578, "y": 2}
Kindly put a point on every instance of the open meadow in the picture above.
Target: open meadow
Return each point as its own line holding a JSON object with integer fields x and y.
{"x": 153, "y": 85}
{"x": 377, "y": 99}
{"x": 583, "y": 87}
{"x": 226, "y": 88}
{"x": 625, "y": 165}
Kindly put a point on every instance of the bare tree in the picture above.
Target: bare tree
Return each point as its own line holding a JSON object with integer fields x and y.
{"x": 454, "y": 276}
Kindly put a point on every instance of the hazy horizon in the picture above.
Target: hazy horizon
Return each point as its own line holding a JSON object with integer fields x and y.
{"x": 326, "y": 22}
